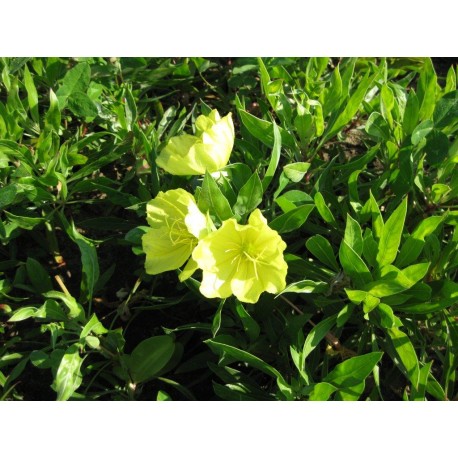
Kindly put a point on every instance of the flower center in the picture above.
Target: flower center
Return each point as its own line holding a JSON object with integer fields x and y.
{"x": 247, "y": 252}
{"x": 179, "y": 234}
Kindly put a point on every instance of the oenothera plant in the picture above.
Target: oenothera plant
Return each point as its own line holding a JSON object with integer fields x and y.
{"x": 176, "y": 226}
{"x": 208, "y": 150}
{"x": 243, "y": 260}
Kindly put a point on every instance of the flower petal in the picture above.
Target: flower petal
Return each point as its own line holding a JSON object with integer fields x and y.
{"x": 190, "y": 267}
{"x": 178, "y": 157}
{"x": 161, "y": 254}
{"x": 208, "y": 150}
{"x": 243, "y": 259}
{"x": 212, "y": 286}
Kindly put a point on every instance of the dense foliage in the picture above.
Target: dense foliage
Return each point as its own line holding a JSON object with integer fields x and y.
{"x": 351, "y": 162}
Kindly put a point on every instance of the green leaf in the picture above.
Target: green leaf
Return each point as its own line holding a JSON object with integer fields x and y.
{"x": 411, "y": 113}
{"x": 24, "y": 222}
{"x": 40, "y": 359}
{"x": 149, "y": 357}
{"x": 322, "y": 391}
{"x": 419, "y": 395}
{"x": 249, "y": 324}
{"x": 426, "y": 90}
{"x": 354, "y": 370}
{"x": 213, "y": 200}
{"x": 265, "y": 80}
{"x": 322, "y": 250}
{"x": 353, "y": 265}
{"x": 391, "y": 236}
{"x": 17, "y": 63}
{"x": 163, "y": 396}
{"x": 434, "y": 388}
{"x": 347, "y": 110}
{"x": 76, "y": 79}
{"x": 81, "y": 105}
{"x": 350, "y": 393}
{"x": 89, "y": 260}
{"x": 371, "y": 208}
{"x": 323, "y": 209}
{"x": 264, "y": 130}
{"x": 333, "y": 95}
{"x": 303, "y": 123}
{"x": 370, "y": 248}
{"x": 253, "y": 361}
{"x": 377, "y": 127}
{"x": 387, "y": 103}
{"x": 93, "y": 326}
{"x": 446, "y": 111}
{"x": 53, "y": 116}
{"x": 130, "y": 107}
{"x": 450, "y": 83}
{"x": 292, "y": 199}
{"x": 32, "y": 95}
{"x": 7, "y": 195}
{"x": 307, "y": 287}
{"x": 39, "y": 277}
{"x": 23, "y": 313}
{"x": 406, "y": 360}
{"x": 51, "y": 311}
{"x": 395, "y": 281}
{"x": 353, "y": 235}
{"x": 437, "y": 146}
{"x": 387, "y": 316}
{"x": 315, "y": 336}
{"x": 421, "y": 131}
{"x": 413, "y": 246}
{"x": 292, "y": 219}
{"x": 369, "y": 301}
{"x": 68, "y": 377}
{"x": 296, "y": 171}
{"x": 75, "y": 310}
{"x": 250, "y": 196}
{"x": 344, "y": 315}
{"x": 216, "y": 323}
{"x": 238, "y": 174}
{"x": 274, "y": 158}
{"x": 422, "y": 308}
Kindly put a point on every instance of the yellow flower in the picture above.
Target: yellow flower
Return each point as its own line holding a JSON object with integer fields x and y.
{"x": 176, "y": 225}
{"x": 243, "y": 260}
{"x": 208, "y": 150}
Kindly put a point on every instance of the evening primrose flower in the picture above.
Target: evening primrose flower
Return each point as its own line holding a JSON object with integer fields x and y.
{"x": 176, "y": 226}
{"x": 244, "y": 260}
{"x": 208, "y": 150}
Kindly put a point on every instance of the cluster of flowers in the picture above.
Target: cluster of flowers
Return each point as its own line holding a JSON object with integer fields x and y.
{"x": 243, "y": 260}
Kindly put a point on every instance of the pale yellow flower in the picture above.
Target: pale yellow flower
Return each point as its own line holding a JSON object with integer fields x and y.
{"x": 176, "y": 226}
{"x": 208, "y": 150}
{"x": 244, "y": 260}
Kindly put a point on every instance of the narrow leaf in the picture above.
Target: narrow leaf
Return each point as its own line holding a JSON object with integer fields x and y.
{"x": 322, "y": 250}
{"x": 212, "y": 199}
{"x": 68, "y": 378}
{"x": 274, "y": 159}
{"x": 250, "y": 196}
{"x": 391, "y": 236}
{"x": 405, "y": 351}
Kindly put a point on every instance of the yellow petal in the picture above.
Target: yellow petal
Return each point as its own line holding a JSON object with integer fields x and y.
{"x": 212, "y": 286}
{"x": 161, "y": 254}
{"x": 190, "y": 267}
{"x": 176, "y": 159}
{"x": 244, "y": 260}
{"x": 176, "y": 224}
{"x": 208, "y": 150}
